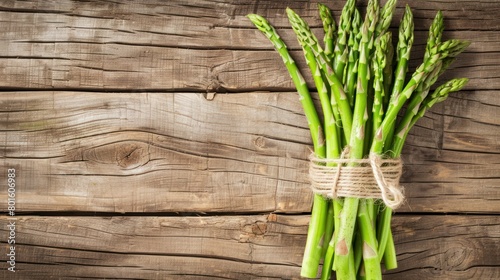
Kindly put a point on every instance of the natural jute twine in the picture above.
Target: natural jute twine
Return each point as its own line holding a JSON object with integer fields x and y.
{"x": 373, "y": 177}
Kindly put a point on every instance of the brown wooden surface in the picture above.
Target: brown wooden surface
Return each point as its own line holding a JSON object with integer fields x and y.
{"x": 154, "y": 152}
{"x": 258, "y": 246}
{"x": 116, "y": 118}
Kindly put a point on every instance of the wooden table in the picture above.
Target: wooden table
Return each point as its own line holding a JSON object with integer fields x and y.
{"x": 164, "y": 140}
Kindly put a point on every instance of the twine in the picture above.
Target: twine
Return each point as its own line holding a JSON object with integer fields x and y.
{"x": 373, "y": 177}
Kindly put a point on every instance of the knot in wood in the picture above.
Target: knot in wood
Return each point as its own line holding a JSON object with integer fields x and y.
{"x": 253, "y": 230}
{"x": 131, "y": 155}
{"x": 456, "y": 257}
{"x": 259, "y": 142}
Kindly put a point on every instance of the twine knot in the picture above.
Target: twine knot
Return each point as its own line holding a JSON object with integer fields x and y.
{"x": 372, "y": 177}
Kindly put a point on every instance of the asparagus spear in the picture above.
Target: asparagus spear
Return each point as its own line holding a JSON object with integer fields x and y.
{"x": 436, "y": 55}
{"x": 318, "y": 216}
{"x": 388, "y": 73}
{"x": 341, "y": 51}
{"x": 331, "y": 136}
{"x": 435, "y": 34}
{"x": 351, "y": 74}
{"x": 305, "y": 98}
{"x": 434, "y": 39}
{"x": 329, "y": 27}
{"x": 320, "y": 235}
{"x": 365, "y": 217}
{"x": 439, "y": 95}
{"x": 424, "y": 87}
{"x": 403, "y": 49}
{"x": 302, "y": 30}
{"x": 446, "y": 49}
{"x": 383, "y": 24}
{"x": 332, "y": 149}
{"x": 350, "y": 210}
{"x": 329, "y": 39}
{"x": 379, "y": 64}
{"x": 385, "y": 19}
{"x": 350, "y": 84}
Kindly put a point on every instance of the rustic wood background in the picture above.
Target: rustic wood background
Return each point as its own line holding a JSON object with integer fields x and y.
{"x": 164, "y": 140}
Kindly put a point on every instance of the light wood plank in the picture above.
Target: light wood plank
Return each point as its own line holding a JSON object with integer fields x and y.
{"x": 235, "y": 247}
{"x": 153, "y": 152}
{"x": 121, "y": 45}
{"x": 156, "y": 152}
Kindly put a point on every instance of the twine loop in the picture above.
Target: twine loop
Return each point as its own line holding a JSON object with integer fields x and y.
{"x": 372, "y": 177}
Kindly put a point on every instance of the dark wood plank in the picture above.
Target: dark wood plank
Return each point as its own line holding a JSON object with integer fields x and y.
{"x": 234, "y": 247}
{"x": 153, "y": 152}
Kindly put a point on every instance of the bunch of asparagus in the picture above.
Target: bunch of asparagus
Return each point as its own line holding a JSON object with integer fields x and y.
{"x": 363, "y": 84}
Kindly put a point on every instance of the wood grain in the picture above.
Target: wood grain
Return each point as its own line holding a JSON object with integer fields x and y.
{"x": 235, "y": 247}
{"x": 123, "y": 46}
{"x": 154, "y": 152}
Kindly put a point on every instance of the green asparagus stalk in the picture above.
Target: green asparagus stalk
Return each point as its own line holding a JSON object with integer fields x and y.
{"x": 397, "y": 103}
{"x": 434, "y": 39}
{"x": 330, "y": 29}
{"x": 388, "y": 73}
{"x": 331, "y": 136}
{"x": 307, "y": 39}
{"x": 329, "y": 39}
{"x": 326, "y": 270}
{"x": 423, "y": 89}
{"x": 302, "y": 30}
{"x": 384, "y": 133}
{"x": 357, "y": 140}
{"x": 351, "y": 74}
{"x": 341, "y": 51}
{"x": 426, "y": 74}
{"x": 366, "y": 214}
{"x": 454, "y": 48}
{"x": 414, "y": 104}
{"x": 383, "y": 24}
{"x": 439, "y": 95}
{"x": 385, "y": 19}
{"x": 403, "y": 50}
{"x": 318, "y": 216}
{"x": 305, "y": 98}
{"x": 435, "y": 34}
{"x": 379, "y": 64}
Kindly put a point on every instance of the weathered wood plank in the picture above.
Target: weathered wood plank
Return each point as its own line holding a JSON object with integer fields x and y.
{"x": 234, "y": 247}
{"x": 152, "y": 152}
{"x": 196, "y": 14}
{"x": 446, "y": 247}
{"x": 155, "y": 152}
{"x": 119, "y": 45}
